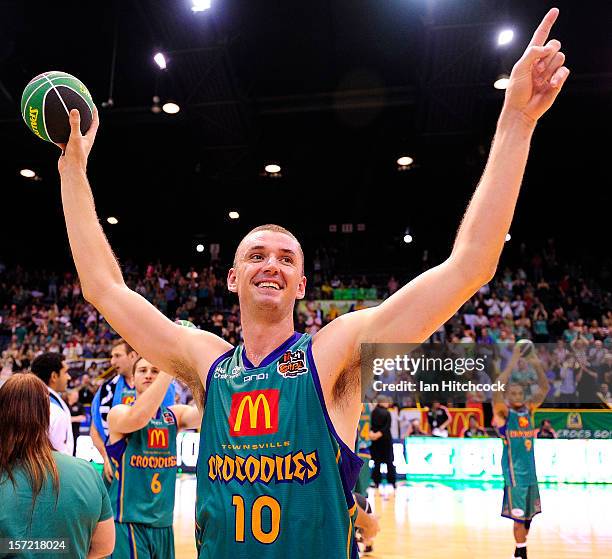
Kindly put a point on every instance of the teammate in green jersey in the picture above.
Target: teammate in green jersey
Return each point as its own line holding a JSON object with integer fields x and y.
{"x": 252, "y": 513}
{"x": 514, "y": 421}
{"x": 142, "y": 451}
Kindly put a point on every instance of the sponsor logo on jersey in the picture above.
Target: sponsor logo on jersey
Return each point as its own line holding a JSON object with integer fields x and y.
{"x": 152, "y": 462}
{"x": 128, "y": 399}
{"x": 292, "y": 364}
{"x": 523, "y": 422}
{"x": 254, "y": 413}
{"x": 157, "y": 438}
{"x": 168, "y": 418}
{"x": 294, "y": 467}
{"x": 220, "y": 372}
{"x": 518, "y": 434}
{"x": 517, "y": 512}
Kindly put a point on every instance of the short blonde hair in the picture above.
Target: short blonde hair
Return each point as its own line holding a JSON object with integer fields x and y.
{"x": 275, "y": 229}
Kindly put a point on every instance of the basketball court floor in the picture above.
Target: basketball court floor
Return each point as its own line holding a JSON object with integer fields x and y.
{"x": 430, "y": 520}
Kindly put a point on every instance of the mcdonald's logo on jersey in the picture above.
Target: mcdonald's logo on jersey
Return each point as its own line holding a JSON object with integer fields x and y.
{"x": 254, "y": 413}
{"x": 128, "y": 399}
{"x": 157, "y": 438}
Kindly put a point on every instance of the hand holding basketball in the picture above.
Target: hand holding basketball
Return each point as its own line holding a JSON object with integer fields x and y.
{"x": 76, "y": 151}
{"x": 539, "y": 74}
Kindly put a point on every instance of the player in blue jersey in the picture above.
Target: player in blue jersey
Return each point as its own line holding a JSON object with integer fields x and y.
{"x": 266, "y": 453}
{"x": 514, "y": 422}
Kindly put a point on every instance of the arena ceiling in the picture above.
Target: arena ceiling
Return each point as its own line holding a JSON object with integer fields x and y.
{"x": 332, "y": 90}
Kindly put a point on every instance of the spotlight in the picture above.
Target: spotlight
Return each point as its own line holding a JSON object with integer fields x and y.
{"x": 160, "y": 60}
{"x": 200, "y": 5}
{"x": 505, "y": 36}
{"x": 171, "y": 108}
{"x": 501, "y": 82}
{"x": 112, "y": 220}
{"x": 508, "y": 237}
{"x": 200, "y": 248}
{"x": 27, "y": 173}
{"x": 234, "y": 215}
{"x": 405, "y": 161}
{"x": 407, "y": 238}
{"x": 273, "y": 169}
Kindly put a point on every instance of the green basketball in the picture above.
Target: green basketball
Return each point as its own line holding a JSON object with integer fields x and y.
{"x": 46, "y": 103}
{"x": 186, "y": 323}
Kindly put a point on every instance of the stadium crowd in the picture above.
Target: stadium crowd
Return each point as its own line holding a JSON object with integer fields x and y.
{"x": 45, "y": 311}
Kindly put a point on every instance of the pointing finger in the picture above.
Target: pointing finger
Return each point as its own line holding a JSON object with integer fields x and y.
{"x": 541, "y": 33}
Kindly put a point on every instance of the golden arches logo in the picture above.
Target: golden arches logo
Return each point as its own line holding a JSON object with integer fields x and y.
{"x": 158, "y": 438}
{"x": 258, "y": 423}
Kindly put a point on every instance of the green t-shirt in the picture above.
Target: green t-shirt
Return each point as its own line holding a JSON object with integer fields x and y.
{"x": 82, "y": 502}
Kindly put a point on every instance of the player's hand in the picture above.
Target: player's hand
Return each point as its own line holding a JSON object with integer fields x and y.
{"x": 371, "y": 529}
{"x": 538, "y": 76}
{"x": 108, "y": 471}
{"x": 76, "y": 151}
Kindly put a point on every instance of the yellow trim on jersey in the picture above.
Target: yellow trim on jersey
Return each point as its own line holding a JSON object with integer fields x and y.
{"x": 349, "y": 539}
{"x": 338, "y": 456}
{"x": 352, "y": 509}
{"x": 121, "y": 491}
{"x": 133, "y": 541}
{"x": 510, "y": 461}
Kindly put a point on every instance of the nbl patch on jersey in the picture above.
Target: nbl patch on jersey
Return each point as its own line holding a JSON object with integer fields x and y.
{"x": 168, "y": 418}
{"x": 523, "y": 422}
{"x": 292, "y": 364}
{"x": 254, "y": 413}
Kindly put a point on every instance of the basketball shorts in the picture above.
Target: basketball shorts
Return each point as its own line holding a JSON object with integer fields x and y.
{"x": 521, "y": 503}
{"x": 139, "y": 541}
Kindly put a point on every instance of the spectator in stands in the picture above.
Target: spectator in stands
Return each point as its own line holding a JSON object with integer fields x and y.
{"x": 87, "y": 390}
{"x": 546, "y": 430}
{"x": 439, "y": 418}
{"x": 77, "y": 413}
{"x": 473, "y": 430}
{"x": 45, "y": 494}
{"x": 605, "y": 395}
{"x": 51, "y": 369}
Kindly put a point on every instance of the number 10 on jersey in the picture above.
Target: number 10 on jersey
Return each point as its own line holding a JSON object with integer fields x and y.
{"x": 256, "y": 512}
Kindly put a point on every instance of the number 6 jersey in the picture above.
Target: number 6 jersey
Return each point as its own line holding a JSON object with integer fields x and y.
{"x": 144, "y": 473}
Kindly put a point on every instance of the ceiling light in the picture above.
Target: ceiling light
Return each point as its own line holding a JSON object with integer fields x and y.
{"x": 200, "y": 5}
{"x": 272, "y": 169}
{"x": 501, "y": 82}
{"x": 505, "y": 36}
{"x": 407, "y": 238}
{"x": 27, "y": 173}
{"x": 112, "y": 220}
{"x": 171, "y": 108}
{"x": 160, "y": 60}
{"x": 405, "y": 160}
{"x": 234, "y": 215}
{"x": 200, "y": 248}
{"x": 508, "y": 237}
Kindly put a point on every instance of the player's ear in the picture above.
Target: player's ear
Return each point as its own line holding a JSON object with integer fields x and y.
{"x": 301, "y": 290}
{"x": 232, "y": 280}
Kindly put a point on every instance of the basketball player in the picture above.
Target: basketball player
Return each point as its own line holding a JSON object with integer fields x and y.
{"x": 514, "y": 422}
{"x": 116, "y": 390}
{"x": 142, "y": 451}
{"x": 276, "y": 465}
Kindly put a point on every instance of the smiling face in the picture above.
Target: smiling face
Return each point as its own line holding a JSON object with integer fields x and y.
{"x": 268, "y": 272}
{"x": 144, "y": 375}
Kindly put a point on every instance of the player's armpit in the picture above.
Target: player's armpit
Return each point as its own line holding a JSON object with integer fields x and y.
{"x": 189, "y": 417}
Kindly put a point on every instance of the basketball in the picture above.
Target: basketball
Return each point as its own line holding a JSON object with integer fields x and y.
{"x": 46, "y": 103}
{"x": 526, "y": 347}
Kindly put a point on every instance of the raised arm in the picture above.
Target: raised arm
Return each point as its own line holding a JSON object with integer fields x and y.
{"x": 188, "y": 417}
{"x": 499, "y": 404}
{"x": 543, "y": 384}
{"x": 124, "y": 419}
{"x": 414, "y": 312}
{"x": 182, "y": 351}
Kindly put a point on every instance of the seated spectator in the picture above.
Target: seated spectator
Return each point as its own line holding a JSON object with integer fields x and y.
{"x": 473, "y": 430}
{"x": 546, "y": 430}
{"x": 439, "y": 419}
{"x": 414, "y": 429}
{"x": 45, "y": 494}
